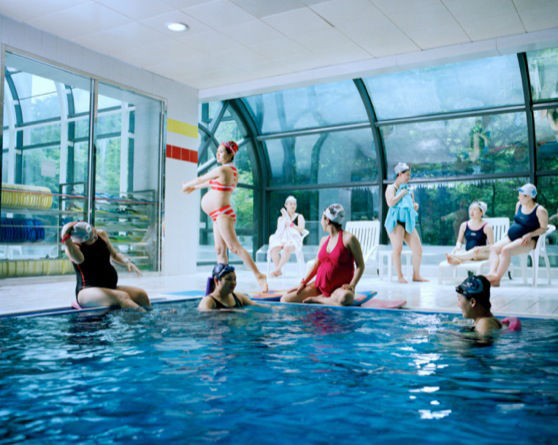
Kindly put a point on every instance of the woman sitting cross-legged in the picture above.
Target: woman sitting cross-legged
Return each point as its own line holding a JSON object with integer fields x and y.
{"x": 220, "y": 290}
{"x": 334, "y": 267}
{"x": 477, "y": 234}
{"x": 91, "y": 253}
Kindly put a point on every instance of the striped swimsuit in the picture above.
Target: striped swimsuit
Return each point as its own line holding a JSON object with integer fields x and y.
{"x": 218, "y": 186}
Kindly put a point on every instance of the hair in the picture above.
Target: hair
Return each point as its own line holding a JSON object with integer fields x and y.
{"x": 477, "y": 287}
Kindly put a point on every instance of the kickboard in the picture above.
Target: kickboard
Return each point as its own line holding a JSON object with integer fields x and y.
{"x": 360, "y": 299}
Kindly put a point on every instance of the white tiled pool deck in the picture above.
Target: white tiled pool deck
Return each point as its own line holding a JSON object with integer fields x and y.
{"x": 512, "y": 298}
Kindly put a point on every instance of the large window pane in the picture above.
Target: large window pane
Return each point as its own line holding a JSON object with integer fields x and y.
{"x": 360, "y": 203}
{"x": 325, "y": 158}
{"x": 483, "y": 83}
{"x": 444, "y": 206}
{"x": 313, "y": 106}
{"x": 546, "y": 129}
{"x": 543, "y": 73}
{"x": 43, "y": 166}
{"x": 471, "y": 146}
{"x": 127, "y": 141}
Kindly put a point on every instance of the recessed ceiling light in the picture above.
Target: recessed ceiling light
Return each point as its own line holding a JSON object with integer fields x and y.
{"x": 177, "y": 26}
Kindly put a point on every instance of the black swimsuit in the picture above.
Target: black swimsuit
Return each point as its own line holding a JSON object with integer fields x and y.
{"x": 96, "y": 270}
{"x": 474, "y": 238}
{"x": 219, "y": 305}
{"x": 524, "y": 223}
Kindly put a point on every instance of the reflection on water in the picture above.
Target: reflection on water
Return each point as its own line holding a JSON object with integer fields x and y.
{"x": 273, "y": 375}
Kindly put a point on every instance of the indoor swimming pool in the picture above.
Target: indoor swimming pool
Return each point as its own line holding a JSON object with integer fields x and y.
{"x": 279, "y": 374}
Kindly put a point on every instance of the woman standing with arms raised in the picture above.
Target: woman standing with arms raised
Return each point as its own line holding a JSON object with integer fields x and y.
{"x": 216, "y": 203}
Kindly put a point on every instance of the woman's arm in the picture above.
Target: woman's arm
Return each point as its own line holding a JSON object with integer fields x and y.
{"x": 489, "y": 234}
{"x": 460, "y": 237}
{"x": 247, "y": 301}
{"x": 201, "y": 181}
{"x": 206, "y": 304}
{"x": 301, "y": 223}
{"x": 116, "y": 255}
{"x": 542, "y": 215}
{"x": 353, "y": 245}
{"x": 72, "y": 250}
{"x": 391, "y": 197}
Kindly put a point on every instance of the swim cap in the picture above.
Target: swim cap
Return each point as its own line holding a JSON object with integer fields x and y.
{"x": 335, "y": 213}
{"x": 231, "y": 146}
{"x": 477, "y": 287}
{"x": 401, "y": 167}
{"x": 290, "y": 198}
{"x": 529, "y": 190}
{"x": 81, "y": 232}
{"x": 481, "y": 205}
{"x": 220, "y": 270}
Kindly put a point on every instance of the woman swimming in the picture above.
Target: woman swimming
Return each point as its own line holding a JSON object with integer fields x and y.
{"x": 334, "y": 268}
{"x": 473, "y": 298}
{"x": 91, "y": 252}
{"x": 222, "y": 181}
{"x": 477, "y": 234}
{"x": 530, "y": 221}
{"x": 220, "y": 291}
{"x": 401, "y": 220}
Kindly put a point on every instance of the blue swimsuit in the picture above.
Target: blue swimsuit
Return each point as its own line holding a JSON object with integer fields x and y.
{"x": 474, "y": 238}
{"x": 523, "y": 224}
{"x": 403, "y": 213}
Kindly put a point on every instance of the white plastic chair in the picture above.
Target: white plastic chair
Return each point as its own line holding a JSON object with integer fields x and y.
{"x": 299, "y": 257}
{"x": 368, "y": 235}
{"x": 535, "y": 254}
{"x": 500, "y": 228}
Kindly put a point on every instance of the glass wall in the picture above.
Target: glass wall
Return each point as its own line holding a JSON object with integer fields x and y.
{"x": 465, "y": 128}
{"x": 45, "y": 166}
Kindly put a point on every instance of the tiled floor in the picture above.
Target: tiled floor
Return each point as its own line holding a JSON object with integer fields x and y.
{"x": 513, "y": 298}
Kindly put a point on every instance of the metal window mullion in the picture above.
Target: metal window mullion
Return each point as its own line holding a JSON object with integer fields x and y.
{"x": 161, "y": 194}
{"x": 313, "y": 130}
{"x": 532, "y": 141}
{"x": 92, "y": 152}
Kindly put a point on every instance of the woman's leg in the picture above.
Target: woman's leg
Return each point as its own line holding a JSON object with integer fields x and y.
{"x": 413, "y": 240}
{"x": 494, "y": 255}
{"x": 292, "y": 297}
{"x": 285, "y": 255}
{"x": 474, "y": 254}
{"x": 396, "y": 239}
{"x": 274, "y": 253}
{"x": 226, "y": 230}
{"x": 101, "y": 296}
{"x": 339, "y": 297}
{"x": 511, "y": 249}
{"x": 137, "y": 294}
{"x": 220, "y": 245}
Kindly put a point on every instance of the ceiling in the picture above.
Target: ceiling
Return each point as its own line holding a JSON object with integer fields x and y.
{"x": 233, "y": 41}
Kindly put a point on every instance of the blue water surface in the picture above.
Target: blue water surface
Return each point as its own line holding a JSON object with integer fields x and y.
{"x": 276, "y": 375}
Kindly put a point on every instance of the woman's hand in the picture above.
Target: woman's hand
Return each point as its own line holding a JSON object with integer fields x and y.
{"x": 526, "y": 239}
{"x": 348, "y": 287}
{"x": 416, "y": 206}
{"x": 133, "y": 268}
{"x": 187, "y": 188}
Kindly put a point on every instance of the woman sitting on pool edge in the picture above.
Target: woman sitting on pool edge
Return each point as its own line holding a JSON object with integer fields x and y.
{"x": 91, "y": 252}
{"x": 336, "y": 278}
{"x": 477, "y": 234}
{"x": 473, "y": 298}
{"x": 220, "y": 290}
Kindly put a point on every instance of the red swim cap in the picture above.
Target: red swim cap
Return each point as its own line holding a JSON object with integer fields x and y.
{"x": 231, "y": 146}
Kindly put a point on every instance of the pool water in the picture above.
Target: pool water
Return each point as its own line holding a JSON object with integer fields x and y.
{"x": 282, "y": 374}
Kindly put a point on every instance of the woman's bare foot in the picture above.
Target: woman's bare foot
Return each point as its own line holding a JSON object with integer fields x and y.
{"x": 402, "y": 279}
{"x": 453, "y": 260}
{"x": 262, "y": 282}
{"x": 420, "y": 279}
{"x": 276, "y": 273}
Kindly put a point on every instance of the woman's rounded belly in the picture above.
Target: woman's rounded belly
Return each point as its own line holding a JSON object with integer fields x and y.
{"x": 214, "y": 200}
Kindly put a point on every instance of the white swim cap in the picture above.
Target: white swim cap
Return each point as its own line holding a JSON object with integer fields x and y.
{"x": 81, "y": 232}
{"x": 335, "y": 213}
{"x": 401, "y": 167}
{"x": 481, "y": 205}
{"x": 529, "y": 190}
{"x": 290, "y": 198}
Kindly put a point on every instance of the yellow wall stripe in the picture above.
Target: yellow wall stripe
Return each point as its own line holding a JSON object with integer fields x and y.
{"x": 182, "y": 128}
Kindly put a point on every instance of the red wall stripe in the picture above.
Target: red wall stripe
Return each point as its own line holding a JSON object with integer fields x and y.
{"x": 182, "y": 154}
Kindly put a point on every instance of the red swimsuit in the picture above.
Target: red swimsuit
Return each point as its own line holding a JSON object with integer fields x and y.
{"x": 216, "y": 185}
{"x": 336, "y": 268}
